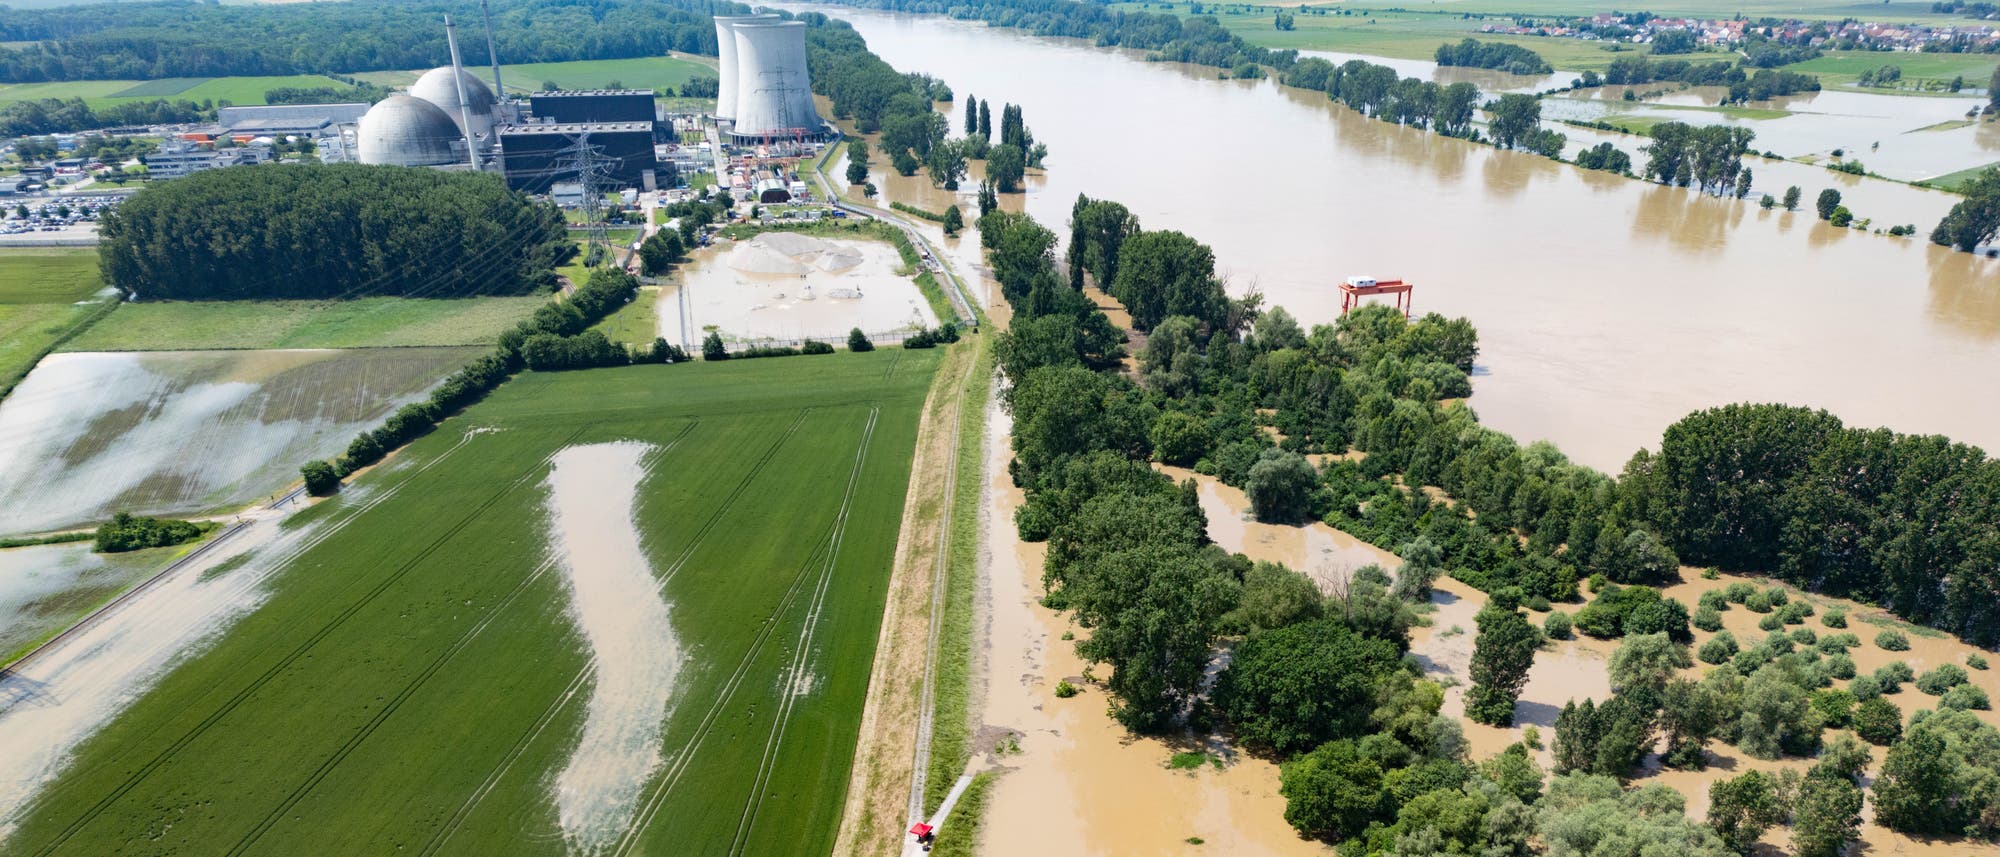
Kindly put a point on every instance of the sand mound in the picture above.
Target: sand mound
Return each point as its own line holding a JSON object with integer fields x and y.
{"x": 789, "y": 253}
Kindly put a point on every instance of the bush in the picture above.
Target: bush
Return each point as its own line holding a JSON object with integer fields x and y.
{"x": 1834, "y": 618}
{"x": 1878, "y": 721}
{"x": 1719, "y": 649}
{"x": 1795, "y": 613}
{"x": 1707, "y": 619}
{"x": 1740, "y": 591}
{"x": 1065, "y": 690}
{"x": 858, "y": 341}
{"x": 1864, "y": 687}
{"x": 1893, "y": 641}
{"x": 1977, "y": 662}
{"x": 1557, "y": 626}
{"x": 1770, "y": 622}
{"x": 712, "y": 348}
{"x": 1280, "y": 486}
{"x": 320, "y": 478}
{"x": 1834, "y": 644}
{"x": 1835, "y": 706}
{"x": 1892, "y": 675}
{"x": 1804, "y": 636}
{"x": 1714, "y": 599}
{"x": 1840, "y": 666}
{"x": 1965, "y": 697}
{"x": 1758, "y": 602}
{"x": 124, "y": 532}
{"x": 1945, "y": 677}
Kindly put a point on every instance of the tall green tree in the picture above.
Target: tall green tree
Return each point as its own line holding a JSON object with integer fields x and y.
{"x": 1742, "y": 808}
{"x": 1974, "y": 221}
{"x": 1294, "y": 688}
{"x": 1501, "y": 658}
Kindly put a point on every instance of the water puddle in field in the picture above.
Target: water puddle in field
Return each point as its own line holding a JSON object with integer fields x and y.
{"x": 617, "y": 606}
{"x": 785, "y": 286}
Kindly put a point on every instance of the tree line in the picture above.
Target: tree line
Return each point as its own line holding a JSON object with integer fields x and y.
{"x": 1315, "y": 681}
{"x": 330, "y": 231}
{"x": 1763, "y": 83}
{"x": 556, "y": 337}
{"x": 1973, "y": 222}
{"x": 148, "y": 41}
{"x": 1200, "y": 39}
{"x": 1499, "y": 56}
{"x": 40, "y": 116}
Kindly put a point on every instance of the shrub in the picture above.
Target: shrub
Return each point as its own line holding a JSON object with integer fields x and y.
{"x": 1965, "y": 697}
{"x": 1714, "y": 599}
{"x": 1840, "y": 666}
{"x": 1758, "y": 602}
{"x": 712, "y": 347}
{"x": 125, "y": 532}
{"x": 1065, "y": 690}
{"x": 1740, "y": 591}
{"x": 1834, "y": 618}
{"x": 1719, "y": 649}
{"x": 1977, "y": 662}
{"x": 1878, "y": 721}
{"x": 1893, "y": 641}
{"x": 1835, "y": 706}
{"x": 1795, "y": 613}
{"x": 858, "y": 341}
{"x": 1770, "y": 622}
{"x": 1707, "y": 619}
{"x": 1945, "y": 677}
{"x": 1804, "y": 636}
{"x": 1778, "y": 596}
{"x": 814, "y": 346}
{"x": 1892, "y": 675}
{"x": 1864, "y": 687}
{"x": 320, "y": 478}
{"x": 1834, "y": 644}
{"x": 1557, "y": 626}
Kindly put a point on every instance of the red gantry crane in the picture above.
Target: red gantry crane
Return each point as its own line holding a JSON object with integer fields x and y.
{"x": 1356, "y": 288}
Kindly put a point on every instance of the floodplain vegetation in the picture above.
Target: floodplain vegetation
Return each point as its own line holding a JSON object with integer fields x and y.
{"x": 428, "y": 636}
{"x": 1319, "y": 681}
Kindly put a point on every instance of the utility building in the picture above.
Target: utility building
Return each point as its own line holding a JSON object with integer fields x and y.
{"x": 592, "y": 105}
{"x": 537, "y": 156}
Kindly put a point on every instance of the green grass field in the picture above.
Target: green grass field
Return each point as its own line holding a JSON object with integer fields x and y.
{"x": 40, "y": 291}
{"x": 1840, "y": 68}
{"x": 636, "y": 323}
{"x": 1951, "y": 181}
{"x": 104, "y": 93}
{"x": 361, "y": 323}
{"x": 413, "y": 682}
{"x": 635, "y": 73}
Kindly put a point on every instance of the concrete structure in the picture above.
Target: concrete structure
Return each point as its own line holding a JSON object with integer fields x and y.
{"x": 593, "y": 105}
{"x": 407, "y": 131}
{"x": 440, "y": 86}
{"x": 290, "y": 118}
{"x": 176, "y": 159}
{"x": 773, "y": 84}
{"x": 725, "y": 50}
{"x": 538, "y": 156}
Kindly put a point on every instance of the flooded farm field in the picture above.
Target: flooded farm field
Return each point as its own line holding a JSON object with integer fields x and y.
{"x": 46, "y": 588}
{"x": 88, "y": 434}
{"x": 789, "y": 286}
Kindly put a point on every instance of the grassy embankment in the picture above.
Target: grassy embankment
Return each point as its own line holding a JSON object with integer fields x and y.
{"x": 636, "y": 323}
{"x": 358, "y": 323}
{"x": 42, "y": 303}
{"x": 952, "y": 725}
{"x": 429, "y": 637}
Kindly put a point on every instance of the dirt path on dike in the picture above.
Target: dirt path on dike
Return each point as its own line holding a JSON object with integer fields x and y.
{"x": 878, "y": 789}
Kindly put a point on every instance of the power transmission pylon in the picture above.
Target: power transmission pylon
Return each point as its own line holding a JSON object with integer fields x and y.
{"x": 590, "y": 165}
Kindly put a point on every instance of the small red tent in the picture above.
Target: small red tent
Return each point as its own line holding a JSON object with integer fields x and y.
{"x": 919, "y": 829}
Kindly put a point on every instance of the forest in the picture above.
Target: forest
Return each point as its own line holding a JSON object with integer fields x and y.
{"x": 1317, "y": 681}
{"x": 331, "y": 231}
{"x": 146, "y": 41}
{"x": 1502, "y": 56}
{"x": 1199, "y": 40}
{"x": 42, "y": 116}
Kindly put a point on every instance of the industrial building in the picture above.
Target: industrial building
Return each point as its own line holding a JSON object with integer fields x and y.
{"x": 442, "y": 87}
{"x": 310, "y": 120}
{"x": 592, "y": 105}
{"x": 765, "y": 91}
{"x": 407, "y": 131}
{"x": 539, "y": 155}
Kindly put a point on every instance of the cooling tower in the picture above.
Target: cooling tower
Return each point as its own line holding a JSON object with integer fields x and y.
{"x": 773, "y": 86}
{"x": 725, "y": 49}
{"x": 439, "y": 86}
{"x": 407, "y": 132}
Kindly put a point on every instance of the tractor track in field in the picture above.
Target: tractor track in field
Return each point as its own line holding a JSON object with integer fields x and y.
{"x": 802, "y": 653}
{"x": 670, "y": 779}
{"x": 258, "y": 683}
{"x": 569, "y": 693}
{"x": 701, "y": 534}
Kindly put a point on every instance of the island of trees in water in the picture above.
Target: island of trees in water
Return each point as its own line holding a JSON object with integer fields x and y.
{"x": 1319, "y": 682}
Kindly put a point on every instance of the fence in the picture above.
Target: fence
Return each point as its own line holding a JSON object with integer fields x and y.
{"x": 837, "y": 340}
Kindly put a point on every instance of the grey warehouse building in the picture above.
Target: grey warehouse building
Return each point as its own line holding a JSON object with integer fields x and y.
{"x": 592, "y": 105}
{"x": 536, "y": 156}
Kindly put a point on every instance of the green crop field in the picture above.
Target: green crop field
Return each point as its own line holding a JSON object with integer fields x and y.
{"x": 636, "y": 323}
{"x": 635, "y": 73}
{"x": 414, "y": 682}
{"x": 104, "y": 93}
{"x": 1843, "y": 67}
{"x": 40, "y": 295}
{"x": 359, "y": 323}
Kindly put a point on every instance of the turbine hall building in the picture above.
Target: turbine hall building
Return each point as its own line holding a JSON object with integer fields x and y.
{"x": 537, "y": 156}
{"x": 592, "y": 105}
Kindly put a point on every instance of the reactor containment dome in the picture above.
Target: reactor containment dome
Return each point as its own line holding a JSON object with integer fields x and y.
{"x": 773, "y": 86}
{"x": 406, "y": 131}
{"x": 725, "y": 50}
{"x": 438, "y": 87}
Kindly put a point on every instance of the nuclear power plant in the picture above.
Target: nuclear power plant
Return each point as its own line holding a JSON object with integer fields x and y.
{"x": 765, "y": 90}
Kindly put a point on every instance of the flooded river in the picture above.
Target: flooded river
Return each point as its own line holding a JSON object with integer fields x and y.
{"x": 1607, "y": 308}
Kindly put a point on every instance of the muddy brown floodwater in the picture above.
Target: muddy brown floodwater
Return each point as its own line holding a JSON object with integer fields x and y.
{"x": 1607, "y": 308}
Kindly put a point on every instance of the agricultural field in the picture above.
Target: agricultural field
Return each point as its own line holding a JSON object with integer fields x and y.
{"x": 47, "y": 588}
{"x": 105, "y": 93}
{"x": 358, "y": 323}
{"x": 621, "y": 611}
{"x": 636, "y": 323}
{"x": 89, "y": 434}
{"x": 1841, "y": 68}
{"x": 45, "y": 295}
{"x": 635, "y": 73}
